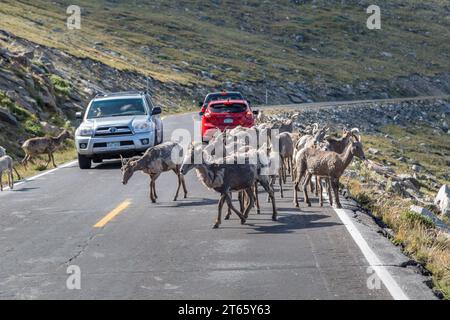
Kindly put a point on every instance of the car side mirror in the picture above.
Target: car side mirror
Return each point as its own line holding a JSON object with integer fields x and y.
{"x": 79, "y": 115}
{"x": 201, "y": 114}
{"x": 156, "y": 110}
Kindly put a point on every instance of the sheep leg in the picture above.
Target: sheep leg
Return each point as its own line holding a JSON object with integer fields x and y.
{"x": 152, "y": 190}
{"x": 251, "y": 201}
{"x": 317, "y": 179}
{"x": 335, "y": 185}
{"x": 53, "y": 159}
{"x": 230, "y": 205}
{"x": 49, "y": 160}
{"x": 297, "y": 182}
{"x": 177, "y": 172}
{"x": 291, "y": 165}
{"x": 258, "y": 208}
{"x": 17, "y": 173}
{"x": 321, "y": 192}
{"x": 11, "y": 175}
{"x": 271, "y": 193}
{"x": 219, "y": 214}
{"x": 183, "y": 182}
{"x": 330, "y": 196}
{"x": 241, "y": 201}
{"x": 305, "y": 188}
{"x": 227, "y": 217}
{"x": 1, "y": 181}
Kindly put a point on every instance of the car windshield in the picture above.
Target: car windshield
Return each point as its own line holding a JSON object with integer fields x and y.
{"x": 222, "y": 108}
{"x": 116, "y": 108}
{"x": 224, "y": 96}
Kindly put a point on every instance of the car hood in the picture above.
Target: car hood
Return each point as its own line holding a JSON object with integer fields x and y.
{"x": 115, "y": 121}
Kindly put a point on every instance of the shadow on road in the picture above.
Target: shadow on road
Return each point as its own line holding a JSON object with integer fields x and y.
{"x": 292, "y": 222}
{"x": 187, "y": 203}
{"x": 24, "y": 189}
{"x": 110, "y": 165}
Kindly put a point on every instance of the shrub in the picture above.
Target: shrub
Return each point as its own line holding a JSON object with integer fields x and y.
{"x": 413, "y": 218}
{"x": 61, "y": 85}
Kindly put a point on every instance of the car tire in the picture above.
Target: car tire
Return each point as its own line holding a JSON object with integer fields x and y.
{"x": 84, "y": 162}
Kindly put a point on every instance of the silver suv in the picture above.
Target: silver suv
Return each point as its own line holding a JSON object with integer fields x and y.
{"x": 117, "y": 124}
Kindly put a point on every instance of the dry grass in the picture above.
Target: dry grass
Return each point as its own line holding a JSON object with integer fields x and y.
{"x": 61, "y": 157}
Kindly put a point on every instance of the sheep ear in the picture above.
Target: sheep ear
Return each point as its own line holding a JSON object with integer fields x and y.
{"x": 122, "y": 160}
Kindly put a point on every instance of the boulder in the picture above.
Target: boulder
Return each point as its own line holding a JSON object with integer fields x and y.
{"x": 441, "y": 225}
{"x": 5, "y": 116}
{"x": 442, "y": 200}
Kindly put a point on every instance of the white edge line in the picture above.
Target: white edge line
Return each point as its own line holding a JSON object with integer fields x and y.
{"x": 374, "y": 262}
{"x": 65, "y": 165}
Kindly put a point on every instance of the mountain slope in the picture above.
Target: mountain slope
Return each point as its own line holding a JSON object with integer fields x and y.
{"x": 307, "y": 49}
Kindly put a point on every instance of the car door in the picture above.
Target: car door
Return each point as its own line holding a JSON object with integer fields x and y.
{"x": 156, "y": 120}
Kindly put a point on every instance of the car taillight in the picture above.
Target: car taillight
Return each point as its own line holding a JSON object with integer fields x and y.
{"x": 249, "y": 114}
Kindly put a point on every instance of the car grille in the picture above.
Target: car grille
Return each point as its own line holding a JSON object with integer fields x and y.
{"x": 113, "y": 131}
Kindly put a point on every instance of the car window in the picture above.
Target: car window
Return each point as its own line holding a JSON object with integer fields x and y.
{"x": 233, "y": 108}
{"x": 116, "y": 108}
{"x": 223, "y": 96}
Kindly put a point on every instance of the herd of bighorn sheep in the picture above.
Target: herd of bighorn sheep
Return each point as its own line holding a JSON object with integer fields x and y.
{"x": 231, "y": 163}
{"x": 32, "y": 147}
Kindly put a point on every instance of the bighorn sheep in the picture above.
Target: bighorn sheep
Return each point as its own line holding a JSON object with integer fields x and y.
{"x": 338, "y": 145}
{"x": 286, "y": 153}
{"x": 6, "y": 164}
{"x": 43, "y": 145}
{"x": 2, "y": 154}
{"x": 161, "y": 158}
{"x": 222, "y": 178}
{"x": 329, "y": 164}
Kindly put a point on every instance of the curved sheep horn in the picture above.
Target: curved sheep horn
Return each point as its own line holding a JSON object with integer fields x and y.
{"x": 354, "y": 130}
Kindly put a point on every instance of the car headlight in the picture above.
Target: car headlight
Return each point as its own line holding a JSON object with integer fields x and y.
{"x": 142, "y": 126}
{"x": 85, "y": 131}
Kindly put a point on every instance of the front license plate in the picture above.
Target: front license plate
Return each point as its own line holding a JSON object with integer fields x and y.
{"x": 228, "y": 121}
{"x": 113, "y": 144}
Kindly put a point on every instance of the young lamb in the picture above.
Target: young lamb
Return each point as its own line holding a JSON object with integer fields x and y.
{"x": 6, "y": 165}
{"x": 328, "y": 164}
{"x": 156, "y": 160}
{"x": 43, "y": 145}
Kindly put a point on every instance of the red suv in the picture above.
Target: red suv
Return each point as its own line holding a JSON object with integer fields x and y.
{"x": 225, "y": 114}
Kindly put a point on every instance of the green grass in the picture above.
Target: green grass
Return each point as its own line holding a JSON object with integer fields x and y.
{"x": 61, "y": 86}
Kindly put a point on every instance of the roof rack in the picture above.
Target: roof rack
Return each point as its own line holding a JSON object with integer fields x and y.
{"x": 120, "y": 93}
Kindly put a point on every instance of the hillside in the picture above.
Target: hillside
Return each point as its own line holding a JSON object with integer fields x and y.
{"x": 299, "y": 50}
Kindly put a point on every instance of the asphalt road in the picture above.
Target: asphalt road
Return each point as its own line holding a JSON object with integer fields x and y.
{"x": 168, "y": 250}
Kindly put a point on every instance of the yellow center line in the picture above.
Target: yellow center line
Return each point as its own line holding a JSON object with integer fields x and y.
{"x": 121, "y": 207}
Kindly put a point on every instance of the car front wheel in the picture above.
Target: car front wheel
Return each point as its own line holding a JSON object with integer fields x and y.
{"x": 84, "y": 162}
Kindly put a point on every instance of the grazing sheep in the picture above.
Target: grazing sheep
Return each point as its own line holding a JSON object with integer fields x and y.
{"x": 6, "y": 165}
{"x": 156, "y": 160}
{"x": 328, "y": 164}
{"x": 43, "y": 145}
